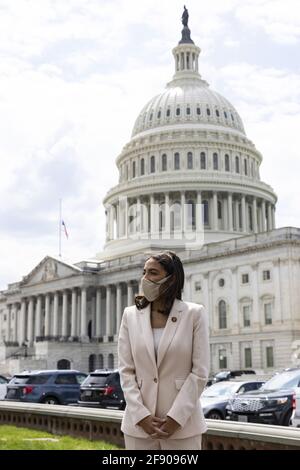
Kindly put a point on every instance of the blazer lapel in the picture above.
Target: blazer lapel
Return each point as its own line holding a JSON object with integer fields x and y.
{"x": 147, "y": 332}
{"x": 169, "y": 331}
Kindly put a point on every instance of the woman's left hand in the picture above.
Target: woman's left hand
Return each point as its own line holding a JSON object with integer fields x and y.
{"x": 167, "y": 428}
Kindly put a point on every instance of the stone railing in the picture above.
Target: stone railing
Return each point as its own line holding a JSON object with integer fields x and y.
{"x": 100, "y": 424}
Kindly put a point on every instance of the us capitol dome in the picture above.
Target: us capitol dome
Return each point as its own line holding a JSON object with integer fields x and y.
{"x": 188, "y": 168}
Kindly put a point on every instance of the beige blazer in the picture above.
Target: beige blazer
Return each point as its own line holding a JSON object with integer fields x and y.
{"x": 173, "y": 384}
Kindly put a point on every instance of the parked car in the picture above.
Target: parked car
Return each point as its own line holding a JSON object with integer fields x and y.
{"x": 228, "y": 374}
{"x": 102, "y": 389}
{"x": 295, "y": 420}
{"x": 215, "y": 398}
{"x": 46, "y": 386}
{"x": 273, "y": 403}
{"x": 3, "y": 386}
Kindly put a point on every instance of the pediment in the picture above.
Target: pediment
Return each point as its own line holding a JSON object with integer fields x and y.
{"x": 50, "y": 269}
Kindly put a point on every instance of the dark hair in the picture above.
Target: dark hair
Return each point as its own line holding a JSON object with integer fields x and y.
{"x": 172, "y": 289}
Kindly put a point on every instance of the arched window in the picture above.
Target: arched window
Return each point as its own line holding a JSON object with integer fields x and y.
{"x": 245, "y": 166}
{"x": 92, "y": 362}
{"x": 164, "y": 162}
{"x": 126, "y": 173}
{"x": 142, "y": 166}
{"x": 176, "y": 161}
{"x": 168, "y": 112}
{"x": 190, "y": 161}
{"x": 217, "y": 113}
{"x": 225, "y": 115}
{"x": 198, "y": 110}
{"x": 177, "y": 111}
{"x": 202, "y": 161}
{"x": 215, "y": 161}
{"x": 222, "y": 315}
{"x": 219, "y": 210}
{"x": 208, "y": 111}
{"x": 63, "y": 364}
{"x": 237, "y": 164}
{"x": 227, "y": 167}
{"x": 191, "y": 215}
{"x": 175, "y": 216}
{"x": 100, "y": 361}
{"x": 161, "y": 218}
{"x": 152, "y": 164}
{"x": 252, "y": 169}
{"x": 159, "y": 114}
{"x": 206, "y": 213}
{"x": 188, "y": 111}
{"x": 133, "y": 169}
{"x": 151, "y": 116}
{"x": 111, "y": 362}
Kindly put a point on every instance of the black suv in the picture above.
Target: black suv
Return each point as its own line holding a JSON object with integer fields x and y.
{"x": 273, "y": 403}
{"x": 102, "y": 389}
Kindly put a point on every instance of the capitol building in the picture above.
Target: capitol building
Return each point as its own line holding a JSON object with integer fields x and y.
{"x": 189, "y": 181}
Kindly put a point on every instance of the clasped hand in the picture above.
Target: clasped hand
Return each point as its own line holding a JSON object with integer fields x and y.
{"x": 159, "y": 428}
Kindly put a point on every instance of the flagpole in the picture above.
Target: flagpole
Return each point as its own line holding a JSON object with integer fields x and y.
{"x": 59, "y": 229}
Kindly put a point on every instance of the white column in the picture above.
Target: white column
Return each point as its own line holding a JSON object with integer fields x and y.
{"x": 83, "y": 329}
{"x": 16, "y": 323}
{"x": 167, "y": 215}
{"x": 277, "y": 291}
{"x": 55, "y": 314}
{"x": 255, "y": 322}
{"x": 254, "y": 215}
{"x": 152, "y": 228}
{"x": 263, "y": 210}
{"x": 215, "y": 211}
{"x": 129, "y": 294}
{"x": 30, "y": 321}
{"x": 199, "y": 217}
{"x": 244, "y": 226}
{"x": 118, "y": 220}
{"x": 138, "y": 219}
{"x": 126, "y": 219}
{"x": 119, "y": 307}
{"x": 8, "y": 323}
{"x": 183, "y": 212}
{"x": 273, "y": 217}
{"x": 108, "y": 310}
{"x": 22, "y": 327}
{"x": 38, "y": 317}
{"x": 78, "y": 318}
{"x": 65, "y": 314}
{"x": 98, "y": 313}
{"x": 74, "y": 314}
{"x": 269, "y": 216}
{"x": 47, "y": 315}
{"x": 229, "y": 207}
{"x": 234, "y": 302}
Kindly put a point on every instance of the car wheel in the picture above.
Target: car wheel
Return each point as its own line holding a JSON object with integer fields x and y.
{"x": 50, "y": 401}
{"x": 214, "y": 415}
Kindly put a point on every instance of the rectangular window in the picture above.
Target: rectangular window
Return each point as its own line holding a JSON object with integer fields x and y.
{"x": 245, "y": 278}
{"x": 197, "y": 286}
{"x": 222, "y": 359}
{"x": 268, "y": 313}
{"x": 246, "y": 315}
{"x": 266, "y": 275}
{"x": 248, "y": 357}
{"x": 269, "y": 356}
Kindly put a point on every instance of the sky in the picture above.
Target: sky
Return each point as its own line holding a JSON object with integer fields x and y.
{"x": 74, "y": 74}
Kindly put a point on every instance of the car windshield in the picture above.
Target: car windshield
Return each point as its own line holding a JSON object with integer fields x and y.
{"x": 20, "y": 379}
{"x": 221, "y": 389}
{"x": 284, "y": 380}
{"x": 95, "y": 379}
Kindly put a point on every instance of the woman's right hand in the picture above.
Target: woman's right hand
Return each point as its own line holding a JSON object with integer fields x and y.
{"x": 151, "y": 424}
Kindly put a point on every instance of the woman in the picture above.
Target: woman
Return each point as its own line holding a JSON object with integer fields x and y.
{"x": 163, "y": 361}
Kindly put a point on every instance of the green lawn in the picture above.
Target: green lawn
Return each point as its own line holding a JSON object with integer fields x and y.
{"x": 14, "y": 438}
